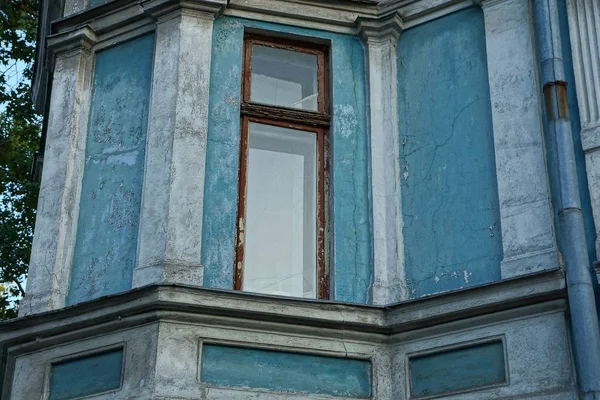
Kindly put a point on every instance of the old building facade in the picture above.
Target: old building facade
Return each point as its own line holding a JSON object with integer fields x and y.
{"x": 304, "y": 199}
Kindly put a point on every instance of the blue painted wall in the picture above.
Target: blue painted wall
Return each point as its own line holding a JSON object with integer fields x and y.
{"x": 96, "y": 3}
{"x": 457, "y": 370}
{"x": 85, "y": 376}
{"x": 285, "y": 372}
{"x": 449, "y": 192}
{"x": 105, "y": 247}
{"x": 352, "y": 247}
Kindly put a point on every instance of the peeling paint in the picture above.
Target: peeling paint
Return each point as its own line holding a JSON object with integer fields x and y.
{"x": 106, "y": 241}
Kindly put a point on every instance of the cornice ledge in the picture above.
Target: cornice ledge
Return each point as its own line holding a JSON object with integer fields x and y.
{"x": 382, "y": 27}
{"x": 331, "y": 15}
{"x": 206, "y": 8}
{"x": 488, "y": 3}
{"x": 80, "y": 39}
{"x": 590, "y": 138}
{"x": 200, "y": 304}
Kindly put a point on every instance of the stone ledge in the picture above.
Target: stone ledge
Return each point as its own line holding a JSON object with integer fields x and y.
{"x": 152, "y": 303}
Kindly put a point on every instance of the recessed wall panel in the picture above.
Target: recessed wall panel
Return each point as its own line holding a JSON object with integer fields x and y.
{"x": 457, "y": 370}
{"x": 285, "y": 372}
{"x": 105, "y": 247}
{"x": 87, "y": 375}
{"x": 450, "y": 206}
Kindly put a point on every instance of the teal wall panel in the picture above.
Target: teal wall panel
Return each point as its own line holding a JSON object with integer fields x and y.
{"x": 449, "y": 195}
{"x": 352, "y": 244}
{"x": 458, "y": 370}
{"x": 86, "y": 376}
{"x": 285, "y": 372}
{"x": 105, "y": 247}
{"x": 96, "y": 3}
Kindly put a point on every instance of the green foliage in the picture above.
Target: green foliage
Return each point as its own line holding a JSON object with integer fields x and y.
{"x": 20, "y": 130}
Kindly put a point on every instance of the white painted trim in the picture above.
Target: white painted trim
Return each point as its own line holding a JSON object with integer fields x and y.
{"x": 380, "y": 38}
{"x": 525, "y": 211}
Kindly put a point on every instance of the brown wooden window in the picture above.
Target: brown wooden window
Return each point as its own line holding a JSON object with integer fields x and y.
{"x": 285, "y": 117}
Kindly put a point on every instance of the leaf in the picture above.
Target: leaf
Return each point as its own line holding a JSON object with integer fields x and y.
{"x": 20, "y": 129}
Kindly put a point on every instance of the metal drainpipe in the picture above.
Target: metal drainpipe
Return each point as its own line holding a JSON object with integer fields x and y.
{"x": 582, "y": 306}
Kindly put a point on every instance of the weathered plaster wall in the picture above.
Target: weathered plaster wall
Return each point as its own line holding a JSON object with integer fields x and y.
{"x": 351, "y": 231}
{"x": 450, "y": 205}
{"x": 112, "y": 182}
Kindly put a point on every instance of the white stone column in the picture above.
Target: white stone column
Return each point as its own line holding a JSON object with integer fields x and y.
{"x": 58, "y": 204}
{"x": 526, "y": 217}
{"x": 380, "y": 37}
{"x": 170, "y": 236}
{"x": 584, "y": 30}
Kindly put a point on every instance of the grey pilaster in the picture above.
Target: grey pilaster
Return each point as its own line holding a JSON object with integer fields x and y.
{"x": 526, "y": 219}
{"x": 584, "y": 30}
{"x": 58, "y": 204}
{"x": 380, "y": 37}
{"x": 169, "y": 244}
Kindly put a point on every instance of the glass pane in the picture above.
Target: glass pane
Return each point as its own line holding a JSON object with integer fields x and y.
{"x": 284, "y": 78}
{"x": 281, "y": 212}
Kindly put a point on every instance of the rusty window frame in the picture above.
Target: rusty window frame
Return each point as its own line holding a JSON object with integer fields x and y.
{"x": 310, "y": 121}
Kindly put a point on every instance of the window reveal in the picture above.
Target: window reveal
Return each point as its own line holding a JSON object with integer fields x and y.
{"x": 280, "y": 246}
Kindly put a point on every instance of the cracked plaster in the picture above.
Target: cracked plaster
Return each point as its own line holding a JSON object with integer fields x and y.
{"x": 449, "y": 194}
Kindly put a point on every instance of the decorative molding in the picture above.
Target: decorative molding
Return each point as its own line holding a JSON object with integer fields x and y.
{"x": 385, "y": 27}
{"x": 60, "y": 187}
{"x": 489, "y": 3}
{"x": 584, "y": 32}
{"x": 203, "y": 8}
{"x": 81, "y": 39}
{"x": 590, "y": 139}
{"x": 584, "y": 20}
{"x": 335, "y": 16}
{"x": 380, "y": 37}
{"x": 248, "y": 309}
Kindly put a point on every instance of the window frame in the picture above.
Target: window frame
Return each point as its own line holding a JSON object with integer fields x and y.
{"x": 317, "y": 122}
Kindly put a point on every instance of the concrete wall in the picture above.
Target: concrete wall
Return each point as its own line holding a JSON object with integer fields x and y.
{"x": 452, "y": 236}
{"x": 111, "y": 192}
{"x": 350, "y": 233}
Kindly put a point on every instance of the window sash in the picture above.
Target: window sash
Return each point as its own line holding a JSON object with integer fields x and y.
{"x": 322, "y": 284}
{"x": 322, "y": 70}
{"x": 305, "y": 120}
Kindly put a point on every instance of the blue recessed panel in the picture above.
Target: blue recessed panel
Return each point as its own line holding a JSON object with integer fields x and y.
{"x": 85, "y": 376}
{"x": 458, "y": 370}
{"x": 351, "y": 229}
{"x": 450, "y": 204}
{"x": 111, "y": 192}
{"x": 285, "y": 372}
